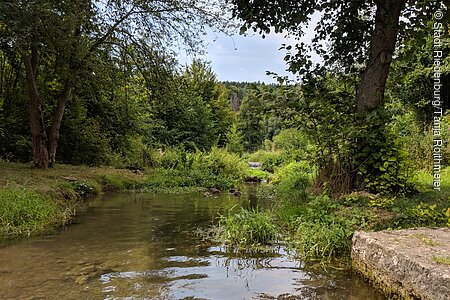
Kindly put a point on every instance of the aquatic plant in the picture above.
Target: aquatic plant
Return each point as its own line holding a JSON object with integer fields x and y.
{"x": 247, "y": 228}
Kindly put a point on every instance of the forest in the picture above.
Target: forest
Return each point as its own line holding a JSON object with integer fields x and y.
{"x": 93, "y": 99}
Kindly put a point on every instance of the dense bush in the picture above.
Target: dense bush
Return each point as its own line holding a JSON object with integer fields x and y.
{"x": 269, "y": 159}
{"x": 424, "y": 215}
{"x": 292, "y": 181}
{"x": 293, "y": 144}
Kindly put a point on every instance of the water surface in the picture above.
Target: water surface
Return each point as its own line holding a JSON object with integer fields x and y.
{"x": 144, "y": 246}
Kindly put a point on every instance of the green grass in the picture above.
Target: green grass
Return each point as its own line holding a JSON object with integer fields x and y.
{"x": 247, "y": 228}
{"x": 34, "y": 201}
{"x": 323, "y": 240}
{"x": 425, "y": 240}
{"x": 442, "y": 260}
{"x": 26, "y": 213}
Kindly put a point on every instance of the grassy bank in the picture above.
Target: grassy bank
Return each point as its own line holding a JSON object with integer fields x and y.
{"x": 321, "y": 227}
{"x": 34, "y": 201}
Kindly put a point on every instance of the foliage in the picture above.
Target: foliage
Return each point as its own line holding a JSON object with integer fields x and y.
{"x": 216, "y": 168}
{"x": 411, "y": 81}
{"x": 322, "y": 228}
{"x": 322, "y": 240}
{"x": 251, "y": 120}
{"x": 292, "y": 181}
{"x": 197, "y": 115}
{"x": 293, "y": 143}
{"x": 382, "y": 202}
{"x": 343, "y": 33}
{"x": 270, "y": 160}
{"x": 235, "y": 140}
{"x": 260, "y": 174}
{"x": 61, "y": 43}
{"x": 247, "y": 228}
{"x": 386, "y": 169}
{"x": 424, "y": 215}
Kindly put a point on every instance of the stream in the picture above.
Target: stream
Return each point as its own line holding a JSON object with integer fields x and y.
{"x": 145, "y": 246}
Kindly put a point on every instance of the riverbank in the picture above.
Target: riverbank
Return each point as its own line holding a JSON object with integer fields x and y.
{"x": 35, "y": 201}
{"x": 321, "y": 227}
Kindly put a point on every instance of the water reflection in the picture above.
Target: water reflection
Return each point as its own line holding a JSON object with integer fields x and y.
{"x": 144, "y": 247}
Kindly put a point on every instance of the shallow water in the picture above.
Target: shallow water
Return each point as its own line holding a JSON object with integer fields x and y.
{"x": 144, "y": 246}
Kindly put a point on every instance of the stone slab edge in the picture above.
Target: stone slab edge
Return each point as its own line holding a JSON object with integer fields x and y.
{"x": 398, "y": 276}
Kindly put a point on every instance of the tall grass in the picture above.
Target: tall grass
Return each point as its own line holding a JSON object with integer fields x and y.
{"x": 25, "y": 213}
{"x": 247, "y": 228}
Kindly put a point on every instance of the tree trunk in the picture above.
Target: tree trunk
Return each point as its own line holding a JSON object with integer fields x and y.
{"x": 370, "y": 94}
{"x": 38, "y": 134}
{"x": 53, "y": 137}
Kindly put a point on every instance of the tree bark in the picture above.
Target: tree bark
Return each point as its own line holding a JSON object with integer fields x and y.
{"x": 53, "y": 137}
{"x": 370, "y": 93}
{"x": 38, "y": 134}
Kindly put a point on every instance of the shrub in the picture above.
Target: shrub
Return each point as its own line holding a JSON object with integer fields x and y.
{"x": 424, "y": 215}
{"x": 293, "y": 180}
{"x": 382, "y": 202}
{"x": 216, "y": 168}
{"x": 292, "y": 143}
{"x": 171, "y": 157}
{"x": 235, "y": 140}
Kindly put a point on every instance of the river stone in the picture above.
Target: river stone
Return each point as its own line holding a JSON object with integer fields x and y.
{"x": 254, "y": 164}
{"x": 82, "y": 279}
{"x": 402, "y": 262}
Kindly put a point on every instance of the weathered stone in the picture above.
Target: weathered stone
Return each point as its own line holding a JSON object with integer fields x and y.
{"x": 254, "y": 164}
{"x": 403, "y": 262}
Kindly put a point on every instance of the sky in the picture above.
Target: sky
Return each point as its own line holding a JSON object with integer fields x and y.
{"x": 247, "y": 58}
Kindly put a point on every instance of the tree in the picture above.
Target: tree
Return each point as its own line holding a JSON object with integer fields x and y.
{"x": 362, "y": 38}
{"x": 358, "y": 32}
{"x": 251, "y": 119}
{"x": 56, "y": 41}
{"x": 197, "y": 113}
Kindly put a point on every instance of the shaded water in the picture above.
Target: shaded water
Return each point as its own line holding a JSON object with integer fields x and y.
{"x": 129, "y": 246}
